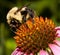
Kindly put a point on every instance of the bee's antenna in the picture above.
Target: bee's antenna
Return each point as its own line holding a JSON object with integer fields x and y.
{"x": 26, "y": 5}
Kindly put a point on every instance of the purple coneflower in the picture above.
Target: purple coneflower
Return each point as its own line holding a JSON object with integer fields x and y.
{"x": 37, "y": 38}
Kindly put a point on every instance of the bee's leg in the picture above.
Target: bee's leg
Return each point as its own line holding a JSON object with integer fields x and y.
{"x": 33, "y": 20}
{"x": 23, "y": 19}
{"x": 13, "y": 30}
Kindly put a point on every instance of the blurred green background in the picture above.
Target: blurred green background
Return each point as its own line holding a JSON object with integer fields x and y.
{"x": 45, "y": 8}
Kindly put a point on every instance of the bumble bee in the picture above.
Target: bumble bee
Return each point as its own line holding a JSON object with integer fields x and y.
{"x": 16, "y": 16}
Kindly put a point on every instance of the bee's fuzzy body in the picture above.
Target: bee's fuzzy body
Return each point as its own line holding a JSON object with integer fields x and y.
{"x": 17, "y": 16}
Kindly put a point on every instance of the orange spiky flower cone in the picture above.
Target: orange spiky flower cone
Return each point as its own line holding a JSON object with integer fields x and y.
{"x": 36, "y": 36}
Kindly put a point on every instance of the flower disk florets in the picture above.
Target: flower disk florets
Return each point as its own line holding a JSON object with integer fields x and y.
{"x": 36, "y": 35}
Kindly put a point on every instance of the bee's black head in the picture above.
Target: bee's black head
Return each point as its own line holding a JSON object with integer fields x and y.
{"x": 14, "y": 24}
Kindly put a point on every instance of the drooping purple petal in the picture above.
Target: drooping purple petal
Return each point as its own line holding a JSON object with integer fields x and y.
{"x": 58, "y": 31}
{"x": 17, "y": 52}
{"x": 57, "y": 27}
{"x": 55, "y": 49}
{"x": 57, "y": 42}
{"x": 31, "y": 53}
{"x": 42, "y": 52}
